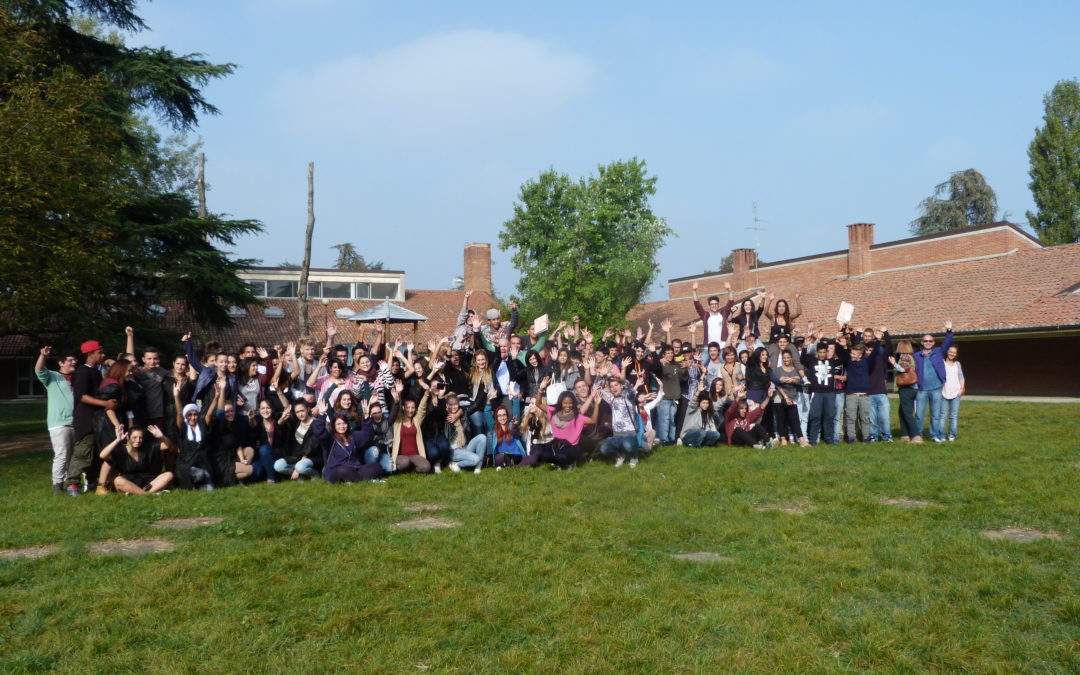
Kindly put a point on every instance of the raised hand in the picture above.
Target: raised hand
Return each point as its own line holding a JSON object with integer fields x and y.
{"x": 261, "y": 351}
{"x": 331, "y": 328}
{"x": 129, "y": 331}
{"x": 432, "y": 345}
{"x": 477, "y": 323}
{"x": 322, "y": 406}
{"x": 665, "y": 325}
{"x": 948, "y": 325}
{"x": 155, "y": 432}
{"x": 468, "y": 294}
{"x": 46, "y": 350}
{"x": 694, "y": 286}
{"x": 290, "y": 348}
{"x": 379, "y": 328}
{"x": 692, "y": 328}
{"x": 177, "y": 388}
{"x": 121, "y": 432}
{"x": 727, "y": 285}
{"x": 186, "y": 336}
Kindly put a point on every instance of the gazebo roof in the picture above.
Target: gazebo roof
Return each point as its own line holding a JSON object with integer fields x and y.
{"x": 389, "y": 313}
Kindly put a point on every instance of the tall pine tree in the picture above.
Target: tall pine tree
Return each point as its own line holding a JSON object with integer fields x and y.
{"x": 1055, "y": 167}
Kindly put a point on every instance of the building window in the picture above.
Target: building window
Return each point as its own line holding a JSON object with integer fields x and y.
{"x": 258, "y": 287}
{"x": 336, "y": 289}
{"x": 280, "y": 289}
{"x": 26, "y": 382}
{"x": 384, "y": 291}
{"x": 362, "y": 290}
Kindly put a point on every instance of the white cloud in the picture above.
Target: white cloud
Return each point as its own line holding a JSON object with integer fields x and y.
{"x": 458, "y": 86}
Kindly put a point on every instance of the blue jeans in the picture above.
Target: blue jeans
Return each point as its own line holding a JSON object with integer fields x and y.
{"x": 375, "y": 453}
{"x": 880, "y": 422}
{"x": 483, "y": 421}
{"x": 304, "y": 467}
{"x": 665, "y": 420}
{"x": 472, "y": 455}
{"x": 930, "y": 398}
{"x": 822, "y": 418}
{"x": 838, "y": 415}
{"x": 620, "y": 444}
{"x": 438, "y": 450}
{"x": 263, "y": 464}
{"x": 952, "y": 412}
{"x": 802, "y": 400}
{"x": 700, "y": 438}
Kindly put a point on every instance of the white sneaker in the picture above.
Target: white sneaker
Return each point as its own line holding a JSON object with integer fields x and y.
{"x": 679, "y": 442}
{"x": 633, "y": 462}
{"x": 438, "y": 469}
{"x": 478, "y": 467}
{"x": 619, "y": 461}
{"x": 498, "y": 468}
{"x": 454, "y": 467}
{"x": 950, "y": 438}
{"x": 774, "y": 443}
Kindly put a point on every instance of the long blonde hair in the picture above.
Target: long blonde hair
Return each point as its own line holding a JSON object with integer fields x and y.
{"x": 480, "y": 375}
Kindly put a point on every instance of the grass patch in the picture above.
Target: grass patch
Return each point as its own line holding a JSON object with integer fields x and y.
{"x": 574, "y": 571}
{"x": 22, "y": 416}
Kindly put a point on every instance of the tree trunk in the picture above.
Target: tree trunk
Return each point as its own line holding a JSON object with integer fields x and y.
{"x": 301, "y": 291}
{"x": 201, "y": 183}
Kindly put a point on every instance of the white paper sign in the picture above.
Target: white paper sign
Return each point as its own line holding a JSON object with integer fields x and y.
{"x": 542, "y": 323}
{"x": 847, "y": 310}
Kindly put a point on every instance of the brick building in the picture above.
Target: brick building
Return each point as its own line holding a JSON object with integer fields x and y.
{"x": 334, "y": 295}
{"x": 1010, "y": 298}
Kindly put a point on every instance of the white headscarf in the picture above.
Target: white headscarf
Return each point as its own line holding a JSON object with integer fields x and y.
{"x": 194, "y": 433}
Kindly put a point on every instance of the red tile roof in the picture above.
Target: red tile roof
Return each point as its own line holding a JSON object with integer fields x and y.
{"x": 440, "y": 307}
{"x": 1016, "y": 291}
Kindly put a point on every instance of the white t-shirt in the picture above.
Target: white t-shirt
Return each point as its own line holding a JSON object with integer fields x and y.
{"x": 953, "y": 380}
{"x": 716, "y": 327}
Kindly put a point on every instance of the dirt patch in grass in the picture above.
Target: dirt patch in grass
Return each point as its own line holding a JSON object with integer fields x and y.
{"x": 427, "y": 524}
{"x": 1021, "y": 534}
{"x": 185, "y": 523}
{"x": 906, "y": 503}
{"x": 417, "y": 508}
{"x": 702, "y": 556}
{"x": 794, "y": 508}
{"x": 14, "y": 445}
{"x": 130, "y": 546}
{"x": 27, "y": 553}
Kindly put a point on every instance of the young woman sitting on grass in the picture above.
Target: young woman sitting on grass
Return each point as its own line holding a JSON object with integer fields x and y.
{"x": 567, "y": 422}
{"x": 742, "y": 425}
{"x": 136, "y": 465}
{"x": 301, "y": 456}
{"x": 506, "y": 445}
{"x": 343, "y": 448}
{"x": 193, "y": 462}
{"x": 699, "y": 426}
{"x": 408, "y": 452}
{"x": 269, "y": 440}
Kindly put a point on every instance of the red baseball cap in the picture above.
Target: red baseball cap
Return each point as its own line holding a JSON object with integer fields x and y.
{"x": 90, "y": 346}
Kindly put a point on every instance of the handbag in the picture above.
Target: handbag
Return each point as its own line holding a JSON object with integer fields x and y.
{"x": 908, "y": 377}
{"x": 554, "y": 390}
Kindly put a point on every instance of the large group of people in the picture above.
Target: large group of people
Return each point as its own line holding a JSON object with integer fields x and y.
{"x": 487, "y": 395}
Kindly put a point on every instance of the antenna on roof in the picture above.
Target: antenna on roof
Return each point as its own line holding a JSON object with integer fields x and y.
{"x": 756, "y": 227}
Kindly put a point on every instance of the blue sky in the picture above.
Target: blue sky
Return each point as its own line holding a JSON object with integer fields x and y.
{"x": 424, "y": 118}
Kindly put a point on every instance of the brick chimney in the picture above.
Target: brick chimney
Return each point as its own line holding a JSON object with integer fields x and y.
{"x": 860, "y": 238}
{"x": 478, "y": 268}
{"x": 743, "y": 261}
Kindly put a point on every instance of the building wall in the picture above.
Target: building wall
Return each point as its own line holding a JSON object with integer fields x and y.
{"x": 1043, "y": 366}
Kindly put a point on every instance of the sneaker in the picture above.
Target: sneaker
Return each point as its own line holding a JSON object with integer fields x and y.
{"x": 207, "y": 487}
{"x": 73, "y": 490}
{"x": 774, "y": 443}
{"x": 101, "y": 490}
{"x": 916, "y": 439}
{"x": 950, "y": 438}
{"x": 454, "y": 467}
{"x": 887, "y": 440}
{"x": 633, "y": 462}
{"x": 679, "y": 442}
{"x": 939, "y": 440}
{"x": 759, "y": 446}
{"x": 478, "y": 467}
{"x": 851, "y": 441}
{"x": 619, "y": 461}
{"x": 437, "y": 468}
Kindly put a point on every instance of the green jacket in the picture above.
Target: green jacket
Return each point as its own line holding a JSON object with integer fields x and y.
{"x": 61, "y": 410}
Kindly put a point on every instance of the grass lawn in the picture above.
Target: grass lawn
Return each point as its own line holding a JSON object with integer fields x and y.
{"x": 19, "y": 416}
{"x": 573, "y": 572}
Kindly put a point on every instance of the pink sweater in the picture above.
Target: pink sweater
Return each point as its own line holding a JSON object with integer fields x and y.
{"x": 571, "y": 433}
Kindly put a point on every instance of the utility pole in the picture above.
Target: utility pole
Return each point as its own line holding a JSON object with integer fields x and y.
{"x": 201, "y": 183}
{"x": 301, "y": 290}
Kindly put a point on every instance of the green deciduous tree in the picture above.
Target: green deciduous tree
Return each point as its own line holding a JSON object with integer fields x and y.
{"x": 964, "y": 200}
{"x": 1055, "y": 167}
{"x": 586, "y": 247}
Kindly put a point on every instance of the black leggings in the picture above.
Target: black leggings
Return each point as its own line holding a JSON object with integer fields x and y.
{"x": 558, "y": 452}
{"x": 348, "y": 474}
{"x": 757, "y": 434}
{"x": 787, "y": 417}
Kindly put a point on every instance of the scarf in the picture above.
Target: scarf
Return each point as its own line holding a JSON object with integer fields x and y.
{"x": 562, "y": 419}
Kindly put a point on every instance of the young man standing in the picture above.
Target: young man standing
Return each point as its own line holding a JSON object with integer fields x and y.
{"x": 84, "y": 383}
{"x": 60, "y": 413}
{"x": 821, "y": 371}
{"x": 714, "y": 321}
{"x": 671, "y": 377}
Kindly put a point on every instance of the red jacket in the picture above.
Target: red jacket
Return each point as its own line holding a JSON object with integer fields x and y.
{"x": 732, "y": 421}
